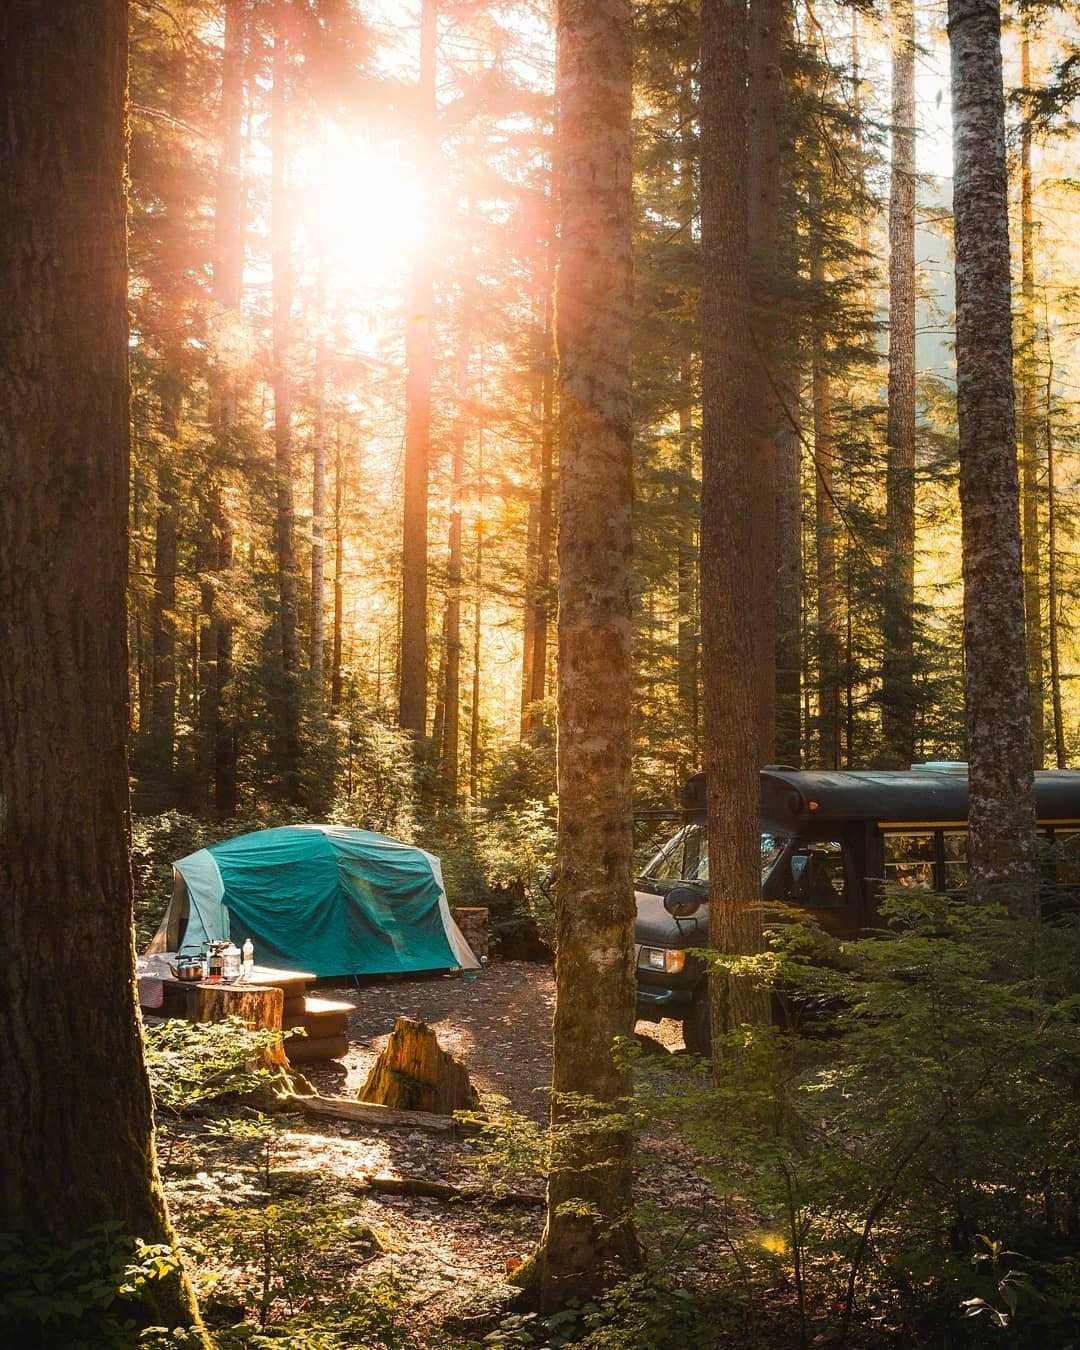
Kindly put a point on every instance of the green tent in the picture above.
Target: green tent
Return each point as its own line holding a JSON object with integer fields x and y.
{"x": 321, "y": 898}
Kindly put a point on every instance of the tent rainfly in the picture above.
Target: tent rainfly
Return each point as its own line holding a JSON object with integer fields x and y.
{"x": 321, "y": 898}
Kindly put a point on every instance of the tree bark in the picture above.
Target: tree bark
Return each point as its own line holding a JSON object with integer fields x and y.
{"x": 318, "y": 501}
{"x": 545, "y": 532}
{"x": 75, "y": 1109}
{"x": 768, "y": 21}
{"x": 898, "y": 670}
{"x": 1029, "y": 431}
{"x": 1052, "y": 565}
{"x": 288, "y": 568}
{"x": 825, "y": 553}
{"x": 412, "y": 695}
{"x": 728, "y": 515}
{"x": 789, "y": 578}
{"x": 1001, "y": 846}
{"x": 478, "y": 614}
{"x": 589, "y": 1230}
{"x": 163, "y": 707}
{"x": 339, "y": 574}
{"x": 686, "y": 564}
{"x": 216, "y": 717}
{"x": 450, "y": 747}
{"x": 534, "y": 676}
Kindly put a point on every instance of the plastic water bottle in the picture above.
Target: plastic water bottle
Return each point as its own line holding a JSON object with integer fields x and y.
{"x": 249, "y": 957}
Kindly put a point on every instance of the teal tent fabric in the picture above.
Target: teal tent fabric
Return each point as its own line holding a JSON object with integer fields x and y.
{"x": 322, "y": 898}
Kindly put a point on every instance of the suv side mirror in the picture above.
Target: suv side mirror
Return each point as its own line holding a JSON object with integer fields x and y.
{"x": 682, "y": 901}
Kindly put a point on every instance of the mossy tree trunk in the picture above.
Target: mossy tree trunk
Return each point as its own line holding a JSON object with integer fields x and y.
{"x": 898, "y": 673}
{"x": 412, "y": 693}
{"x": 589, "y": 1232}
{"x": 1002, "y": 851}
{"x": 288, "y": 566}
{"x": 731, "y": 708}
{"x": 75, "y": 1109}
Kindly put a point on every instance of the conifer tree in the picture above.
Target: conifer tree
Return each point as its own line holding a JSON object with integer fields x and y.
{"x": 75, "y": 1107}
{"x": 997, "y": 703}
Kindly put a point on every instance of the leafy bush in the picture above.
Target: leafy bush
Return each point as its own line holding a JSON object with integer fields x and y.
{"x": 899, "y": 1164}
{"x": 82, "y": 1297}
{"x": 194, "y": 1062}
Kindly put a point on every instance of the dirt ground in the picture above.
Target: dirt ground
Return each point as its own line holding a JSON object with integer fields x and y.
{"x": 498, "y": 1022}
{"x": 452, "y": 1256}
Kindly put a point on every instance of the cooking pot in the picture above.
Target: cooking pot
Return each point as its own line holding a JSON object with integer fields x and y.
{"x": 187, "y": 969}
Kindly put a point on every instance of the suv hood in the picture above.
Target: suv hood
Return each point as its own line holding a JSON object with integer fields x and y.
{"x": 657, "y": 928}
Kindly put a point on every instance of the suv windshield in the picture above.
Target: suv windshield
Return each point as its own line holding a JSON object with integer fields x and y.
{"x": 686, "y": 857}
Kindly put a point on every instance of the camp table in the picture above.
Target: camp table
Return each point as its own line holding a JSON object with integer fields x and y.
{"x": 324, "y": 1021}
{"x": 180, "y": 994}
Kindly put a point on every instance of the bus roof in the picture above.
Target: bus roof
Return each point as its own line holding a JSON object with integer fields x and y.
{"x": 793, "y": 799}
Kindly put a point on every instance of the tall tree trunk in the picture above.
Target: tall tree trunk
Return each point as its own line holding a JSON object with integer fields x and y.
{"x": 898, "y": 671}
{"x": 686, "y": 492}
{"x": 789, "y": 575}
{"x": 450, "y": 747}
{"x": 1001, "y": 844}
{"x": 288, "y": 568}
{"x": 774, "y": 392}
{"x": 545, "y": 525}
{"x": 768, "y": 21}
{"x": 1052, "y": 565}
{"x": 1029, "y": 431}
{"x": 825, "y": 552}
{"x": 163, "y": 709}
{"x": 412, "y": 696}
{"x": 478, "y": 609}
{"x": 216, "y": 717}
{"x": 339, "y": 572}
{"x": 528, "y": 626}
{"x": 589, "y": 1227}
{"x": 730, "y": 513}
{"x": 75, "y": 1111}
{"x": 318, "y": 499}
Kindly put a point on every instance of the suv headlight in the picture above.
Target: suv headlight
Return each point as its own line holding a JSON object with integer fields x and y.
{"x": 667, "y": 959}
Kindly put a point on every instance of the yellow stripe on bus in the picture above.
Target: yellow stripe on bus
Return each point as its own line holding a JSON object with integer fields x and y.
{"x": 908, "y": 825}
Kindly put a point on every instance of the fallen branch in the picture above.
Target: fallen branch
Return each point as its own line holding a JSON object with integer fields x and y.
{"x": 385, "y": 1117}
{"x": 444, "y": 1190}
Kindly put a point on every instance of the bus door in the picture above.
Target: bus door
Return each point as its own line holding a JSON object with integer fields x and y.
{"x": 820, "y": 876}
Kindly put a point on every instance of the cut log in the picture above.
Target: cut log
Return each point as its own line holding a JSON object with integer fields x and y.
{"x": 414, "y": 1073}
{"x": 258, "y": 1007}
{"x": 383, "y": 1117}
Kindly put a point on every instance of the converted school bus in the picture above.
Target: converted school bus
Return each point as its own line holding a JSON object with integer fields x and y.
{"x": 829, "y": 841}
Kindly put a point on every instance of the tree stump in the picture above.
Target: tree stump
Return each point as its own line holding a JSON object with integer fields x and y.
{"x": 473, "y": 922}
{"x": 414, "y": 1073}
{"x": 258, "y": 1007}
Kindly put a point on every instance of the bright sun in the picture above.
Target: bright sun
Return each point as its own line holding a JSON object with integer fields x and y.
{"x": 363, "y": 211}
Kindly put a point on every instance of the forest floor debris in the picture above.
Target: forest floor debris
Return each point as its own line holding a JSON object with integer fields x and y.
{"x": 449, "y": 1256}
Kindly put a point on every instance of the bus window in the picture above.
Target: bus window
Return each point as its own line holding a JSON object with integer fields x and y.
{"x": 956, "y": 864}
{"x": 818, "y": 878}
{"x": 667, "y": 865}
{"x": 909, "y": 859}
{"x": 686, "y": 856}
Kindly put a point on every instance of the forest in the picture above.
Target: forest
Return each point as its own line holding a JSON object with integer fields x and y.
{"x": 466, "y": 422}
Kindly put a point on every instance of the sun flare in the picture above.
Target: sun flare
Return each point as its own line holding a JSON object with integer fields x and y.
{"x": 363, "y": 210}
